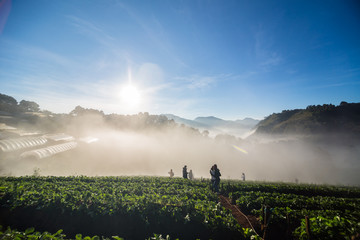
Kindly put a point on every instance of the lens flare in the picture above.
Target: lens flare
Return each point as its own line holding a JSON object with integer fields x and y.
{"x": 240, "y": 149}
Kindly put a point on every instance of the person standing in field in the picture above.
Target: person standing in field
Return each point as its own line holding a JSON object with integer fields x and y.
{"x": 171, "y": 173}
{"x": 191, "y": 175}
{"x": 212, "y": 174}
{"x": 243, "y": 176}
{"x": 185, "y": 173}
{"x": 215, "y": 177}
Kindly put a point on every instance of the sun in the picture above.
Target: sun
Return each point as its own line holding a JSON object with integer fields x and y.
{"x": 130, "y": 95}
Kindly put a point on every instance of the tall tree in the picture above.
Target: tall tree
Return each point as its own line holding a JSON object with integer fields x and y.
{"x": 28, "y": 106}
{"x": 8, "y": 103}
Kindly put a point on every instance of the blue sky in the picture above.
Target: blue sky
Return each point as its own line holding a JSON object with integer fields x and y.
{"x": 229, "y": 59}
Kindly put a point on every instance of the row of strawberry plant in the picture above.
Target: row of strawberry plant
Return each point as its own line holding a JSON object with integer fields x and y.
{"x": 291, "y": 188}
{"x": 154, "y": 201}
{"x": 30, "y": 233}
{"x": 333, "y": 211}
{"x": 254, "y": 200}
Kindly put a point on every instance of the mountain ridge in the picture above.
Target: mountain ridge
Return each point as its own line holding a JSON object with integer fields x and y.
{"x": 217, "y": 125}
{"x": 315, "y": 119}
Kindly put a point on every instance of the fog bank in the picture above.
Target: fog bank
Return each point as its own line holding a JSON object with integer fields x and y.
{"x": 155, "y": 152}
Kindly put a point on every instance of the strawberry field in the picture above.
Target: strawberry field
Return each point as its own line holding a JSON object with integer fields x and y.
{"x": 142, "y": 207}
{"x": 300, "y": 211}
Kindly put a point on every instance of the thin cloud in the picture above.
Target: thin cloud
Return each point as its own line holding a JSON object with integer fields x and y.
{"x": 338, "y": 78}
{"x": 243, "y": 76}
{"x": 91, "y": 29}
{"x": 155, "y": 31}
{"x": 292, "y": 71}
{"x": 273, "y": 59}
{"x": 333, "y": 85}
{"x": 264, "y": 50}
{"x": 5, "y": 9}
{"x": 350, "y": 72}
{"x": 198, "y": 82}
{"x": 19, "y": 52}
{"x": 36, "y": 68}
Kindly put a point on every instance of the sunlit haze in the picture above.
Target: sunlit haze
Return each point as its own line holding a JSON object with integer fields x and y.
{"x": 160, "y": 84}
{"x": 180, "y": 119}
{"x": 230, "y": 59}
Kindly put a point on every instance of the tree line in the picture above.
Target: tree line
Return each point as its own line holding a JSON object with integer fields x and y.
{"x": 27, "y": 114}
{"x": 11, "y": 105}
{"x": 314, "y": 119}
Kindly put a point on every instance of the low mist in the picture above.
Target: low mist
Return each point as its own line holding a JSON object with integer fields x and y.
{"x": 154, "y": 152}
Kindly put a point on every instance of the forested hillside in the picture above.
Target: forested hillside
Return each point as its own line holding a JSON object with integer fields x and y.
{"x": 28, "y": 116}
{"x": 319, "y": 119}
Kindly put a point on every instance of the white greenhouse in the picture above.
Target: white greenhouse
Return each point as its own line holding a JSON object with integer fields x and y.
{"x": 10, "y": 145}
{"x": 48, "y": 151}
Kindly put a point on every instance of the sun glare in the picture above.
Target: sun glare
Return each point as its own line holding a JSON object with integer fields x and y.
{"x": 130, "y": 96}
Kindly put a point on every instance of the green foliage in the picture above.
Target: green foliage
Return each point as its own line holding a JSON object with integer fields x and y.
{"x": 152, "y": 200}
{"x": 336, "y": 227}
{"x": 28, "y": 106}
{"x": 159, "y": 237}
{"x": 30, "y": 234}
{"x": 81, "y": 119}
{"x": 325, "y": 118}
{"x": 5, "y": 99}
{"x": 8, "y": 103}
{"x": 80, "y": 111}
{"x": 334, "y": 211}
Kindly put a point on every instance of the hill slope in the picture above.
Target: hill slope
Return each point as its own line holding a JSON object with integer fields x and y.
{"x": 327, "y": 118}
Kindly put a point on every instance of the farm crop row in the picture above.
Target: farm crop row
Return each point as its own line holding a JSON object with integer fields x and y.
{"x": 254, "y": 200}
{"x": 139, "y": 207}
{"x": 287, "y": 188}
{"x": 132, "y": 207}
{"x": 300, "y": 211}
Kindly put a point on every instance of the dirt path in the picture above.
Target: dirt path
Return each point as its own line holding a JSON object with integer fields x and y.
{"x": 242, "y": 219}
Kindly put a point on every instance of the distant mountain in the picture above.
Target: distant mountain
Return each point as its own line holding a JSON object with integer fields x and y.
{"x": 248, "y": 122}
{"x": 217, "y": 125}
{"x": 217, "y": 122}
{"x": 211, "y": 121}
{"x": 327, "y": 118}
{"x": 188, "y": 122}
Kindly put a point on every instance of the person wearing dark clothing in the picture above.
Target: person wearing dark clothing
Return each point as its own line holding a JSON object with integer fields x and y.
{"x": 215, "y": 177}
{"x": 185, "y": 173}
